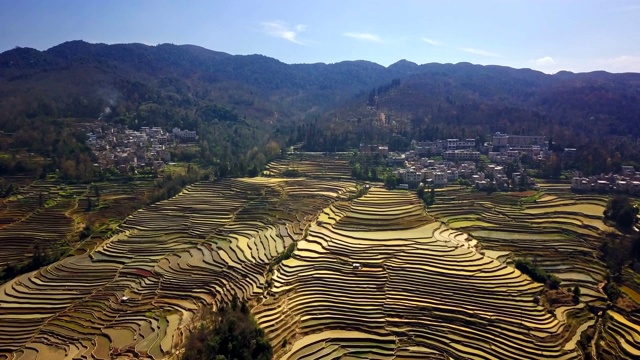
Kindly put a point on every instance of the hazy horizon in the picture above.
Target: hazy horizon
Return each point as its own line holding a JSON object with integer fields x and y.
{"x": 549, "y": 36}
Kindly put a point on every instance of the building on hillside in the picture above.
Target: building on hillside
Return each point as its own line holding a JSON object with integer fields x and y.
{"x": 569, "y": 154}
{"x": 457, "y": 144}
{"x": 458, "y": 155}
{"x": 477, "y": 177}
{"x": 467, "y": 169}
{"x": 494, "y": 169}
{"x": 410, "y": 176}
{"x": 481, "y": 184}
{"x": 628, "y": 170}
{"x": 156, "y": 131}
{"x": 429, "y": 148}
{"x": 372, "y": 149}
{"x": 440, "y": 178}
{"x": 622, "y": 186}
{"x": 501, "y": 140}
{"x": 183, "y": 135}
{"x": 531, "y": 150}
{"x": 158, "y": 165}
{"x": 396, "y": 160}
{"x": 520, "y": 178}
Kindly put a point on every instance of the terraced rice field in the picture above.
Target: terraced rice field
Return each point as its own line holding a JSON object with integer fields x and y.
{"x": 621, "y": 336}
{"x": 561, "y": 231}
{"x": 48, "y": 215}
{"x": 314, "y": 165}
{"x": 423, "y": 291}
{"x": 378, "y": 277}
{"x": 24, "y": 223}
{"x": 200, "y": 248}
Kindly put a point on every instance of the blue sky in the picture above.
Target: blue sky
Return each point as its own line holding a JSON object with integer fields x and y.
{"x": 575, "y": 35}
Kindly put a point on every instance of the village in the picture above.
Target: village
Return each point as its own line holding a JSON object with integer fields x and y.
{"x": 458, "y": 161}
{"x": 117, "y": 147}
{"x": 492, "y": 165}
{"x": 627, "y": 182}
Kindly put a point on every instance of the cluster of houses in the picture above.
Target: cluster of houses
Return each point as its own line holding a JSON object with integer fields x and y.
{"x": 457, "y": 158}
{"x": 439, "y": 173}
{"x": 443, "y": 172}
{"x": 374, "y": 149}
{"x": 628, "y": 182}
{"x": 503, "y": 148}
{"x": 118, "y": 147}
{"x": 495, "y": 175}
{"x": 507, "y": 148}
{"x": 448, "y": 148}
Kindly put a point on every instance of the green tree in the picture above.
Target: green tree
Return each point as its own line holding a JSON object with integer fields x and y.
{"x": 622, "y": 211}
{"x": 523, "y": 181}
{"x": 231, "y": 333}
{"x": 612, "y": 291}
{"x": 537, "y": 274}
{"x": 390, "y": 181}
{"x": 96, "y": 193}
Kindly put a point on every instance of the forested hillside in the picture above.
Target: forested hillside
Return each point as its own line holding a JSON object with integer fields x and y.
{"x": 241, "y": 103}
{"x": 597, "y": 113}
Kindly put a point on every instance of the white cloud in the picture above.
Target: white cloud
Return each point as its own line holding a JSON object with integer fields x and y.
{"x": 480, "y": 52}
{"x": 432, "y": 42}
{"x": 545, "y": 61}
{"x": 281, "y": 30}
{"x": 624, "y": 63}
{"x": 363, "y": 36}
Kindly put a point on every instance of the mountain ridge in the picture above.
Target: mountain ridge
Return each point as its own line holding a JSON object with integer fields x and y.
{"x": 202, "y": 51}
{"x": 166, "y": 84}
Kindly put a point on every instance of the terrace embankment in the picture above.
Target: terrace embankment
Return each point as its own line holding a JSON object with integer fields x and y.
{"x": 559, "y": 231}
{"x": 315, "y": 165}
{"x": 36, "y": 216}
{"x": 133, "y": 294}
{"x": 50, "y": 216}
{"x": 378, "y": 278}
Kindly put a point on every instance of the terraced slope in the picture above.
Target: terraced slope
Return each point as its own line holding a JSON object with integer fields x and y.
{"x": 621, "y": 336}
{"x": 49, "y": 215}
{"x": 378, "y": 279}
{"x": 134, "y": 293}
{"x": 560, "y": 231}
{"x": 314, "y": 165}
{"x": 37, "y": 215}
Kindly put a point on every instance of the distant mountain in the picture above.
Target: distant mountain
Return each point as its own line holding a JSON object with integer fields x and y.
{"x": 254, "y": 85}
{"x": 189, "y": 86}
{"x": 260, "y": 86}
{"x": 465, "y": 99}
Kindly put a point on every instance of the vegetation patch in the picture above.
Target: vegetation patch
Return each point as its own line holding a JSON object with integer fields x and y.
{"x": 292, "y": 173}
{"x": 622, "y": 211}
{"x": 537, "y": 274}
{"x": 229, "y": 333}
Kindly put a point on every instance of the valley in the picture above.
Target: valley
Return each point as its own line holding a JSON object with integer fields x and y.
{"x": 160, "y": 201}
{"x": 368, "y": 275}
